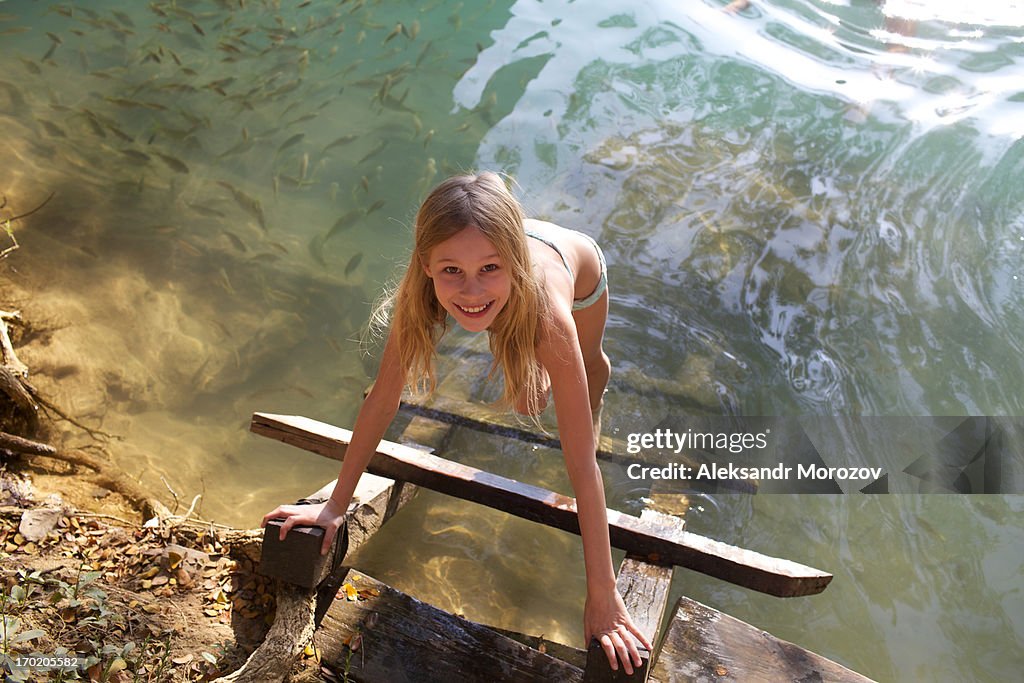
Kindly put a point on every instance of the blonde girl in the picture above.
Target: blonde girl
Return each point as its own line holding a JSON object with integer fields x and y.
{"x": 540, "y": 292}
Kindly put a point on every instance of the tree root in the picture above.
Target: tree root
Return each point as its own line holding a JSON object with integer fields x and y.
{"x": 293, "y": 628}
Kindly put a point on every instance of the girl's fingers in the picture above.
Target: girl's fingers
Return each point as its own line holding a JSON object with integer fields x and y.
{"x": 276, "y": 512}
{"x": 287, "y": 526}
{"x": 623, "y": 653}
{"x": 329, "y": 533}
{"x": 609, "y": 651}
{"x": 642, "y": 638}
{"x": 616, "y": 651}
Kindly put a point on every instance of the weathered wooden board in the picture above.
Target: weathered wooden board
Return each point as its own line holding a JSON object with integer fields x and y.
{"x": 297, "y": 559}
{"x": 567, "y": 653}
{"x": 644, "y": 589}
{"x": 775, "y": 576}
{"x": 454, "y": 411}
{"x": 385, "y": 636}
{"x": 703, "y": 645}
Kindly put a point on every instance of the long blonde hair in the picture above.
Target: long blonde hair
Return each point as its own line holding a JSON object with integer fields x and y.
{"x": 418, "y": 321}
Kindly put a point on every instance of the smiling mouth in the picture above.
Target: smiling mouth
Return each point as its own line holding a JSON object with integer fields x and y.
{"x": 475, "y": 310}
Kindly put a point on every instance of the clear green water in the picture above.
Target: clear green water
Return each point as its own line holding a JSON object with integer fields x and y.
{"x": 805, "y": 212}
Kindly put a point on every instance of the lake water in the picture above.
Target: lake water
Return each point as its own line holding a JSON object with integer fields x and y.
{"x": 810, "y": 208}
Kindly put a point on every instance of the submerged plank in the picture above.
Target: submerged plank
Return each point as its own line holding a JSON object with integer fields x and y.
{"x": 457, "y": 411}
{"x": 703, "y": 644}
{"x": 746, "y": 568}
{"x": 385, "y": 636}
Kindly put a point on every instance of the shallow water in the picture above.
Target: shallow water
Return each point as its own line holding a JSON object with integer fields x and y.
{"x": 811, "y": 208}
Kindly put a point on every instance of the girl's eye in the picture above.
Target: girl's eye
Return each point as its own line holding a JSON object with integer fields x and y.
{"x": 489, "y": 268}
{"x": 451, "y": 270}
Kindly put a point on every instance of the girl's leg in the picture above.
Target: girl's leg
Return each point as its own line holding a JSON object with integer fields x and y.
{"x": 590, "y": 324}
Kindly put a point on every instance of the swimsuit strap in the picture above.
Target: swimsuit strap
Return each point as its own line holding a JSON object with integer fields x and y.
{"x": 545, "y": 240}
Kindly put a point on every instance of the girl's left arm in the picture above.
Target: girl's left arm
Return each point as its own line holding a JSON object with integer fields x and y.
{"x": 605, "y": 616}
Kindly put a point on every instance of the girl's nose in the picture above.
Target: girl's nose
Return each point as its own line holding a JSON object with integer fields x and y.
{"x": 471, "y": 286}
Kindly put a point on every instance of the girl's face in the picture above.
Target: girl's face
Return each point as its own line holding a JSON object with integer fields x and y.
{"x": 470, "y": 280}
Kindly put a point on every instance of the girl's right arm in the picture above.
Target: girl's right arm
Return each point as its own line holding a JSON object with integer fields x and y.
{"x": 376, "y": 413}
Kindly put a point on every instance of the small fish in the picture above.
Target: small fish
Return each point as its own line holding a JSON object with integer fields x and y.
{"x": 424, "y": 51}
{"x": 353, "y": 263}
{"x": 302, "y": 119}
{"x": 188, "y": 248}
{"x": 32, "y": 67}
{"x": 224, "y": 281}
{"x": 243, "y": 146}
{"x": 394, "y": 32}
{"x": 343, "y": 140}
{"x": 316, "y": 249}
{"x": 248, "y": 204}
{"x": 236, "y": 241}
{"x": 123, "y": 18}
{"x": 95, "y": 125}
{"x": 129, "y": 103}
{"x": 119, "y": 133}
{"x": 376, "y": 205}
{"x": 173, "y": 163}
{"x": 198, "y": 29}
{"x": 342, "y": 223}
{"x": 295, "y": 139}
{"x": 376, "y": 150}
{"x": 206, "y": 211}
{"x": 135, "y": 155}
{"x": 52, "y": 128}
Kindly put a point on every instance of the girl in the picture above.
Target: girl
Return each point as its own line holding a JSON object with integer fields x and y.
{"x": 540, "y": 291}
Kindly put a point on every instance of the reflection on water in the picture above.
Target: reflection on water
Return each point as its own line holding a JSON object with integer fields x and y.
{"x": 812, "y": 207}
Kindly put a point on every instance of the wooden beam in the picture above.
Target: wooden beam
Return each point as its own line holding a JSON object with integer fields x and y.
{"x": 703, "y": 644}
{"x": 747, "y": 568}
{"x": 385, "y": 636}
{"x": 297, "y": 559}
{"x": 462, "y": 413}
{"x": 644, "y": 589}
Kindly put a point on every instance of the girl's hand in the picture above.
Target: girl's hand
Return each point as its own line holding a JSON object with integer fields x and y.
{"x": 605, "y": 618}
{"x": 325, "y": 515}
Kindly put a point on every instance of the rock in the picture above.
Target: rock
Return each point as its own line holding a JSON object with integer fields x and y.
{"x": 38, "y": 522}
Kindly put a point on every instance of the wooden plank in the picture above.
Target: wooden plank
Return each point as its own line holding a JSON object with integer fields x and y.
{"x": 634, "y": 381}
{"x": 567, "y": 653}
{"x": 598, "y": 670}
{"x": 747, "y": 568}
{"x": 297, "y": 559}
{"x": 644, "y": 588}
{"x": 703, "y": 644}
{"x": 461, "y": 413}
{"x": 385, "y": 636}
